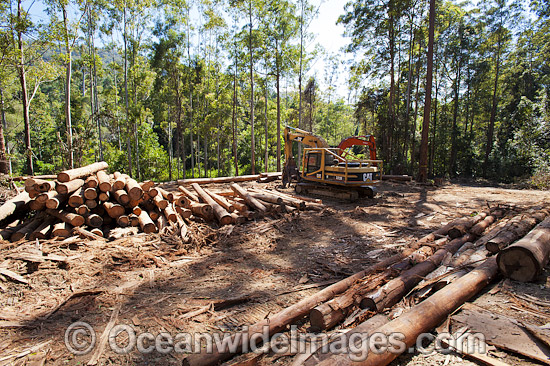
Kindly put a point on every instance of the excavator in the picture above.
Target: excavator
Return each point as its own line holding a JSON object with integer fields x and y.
{"x": 331, "y": 172}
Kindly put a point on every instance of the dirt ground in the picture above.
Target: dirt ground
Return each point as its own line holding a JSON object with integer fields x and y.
{"x": 158, "y": 284}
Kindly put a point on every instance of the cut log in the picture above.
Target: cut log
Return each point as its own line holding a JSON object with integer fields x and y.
{"x": 327, "y": 315}
{"x": 104, "y": 181}
{"x": 119, "y": 182}
{"x": 28, "y": 228}
{"x": 94, "y": 220}
{"x": 91, "y": 181}
{"x": 222, "y": 201}
{"x": 84, "y": 171}
{"x": 184, "y": 230}
{"x": 134, "y": 203}
{"x": 237, "y": 219}
{"x": 250, "y": 201}
{"x": 154, "y": 214}
{"x": 97, "y": 231}
{"x": 241, "y": 207}
{"x": 224, "y": 218}
{"x": 170, "y": 213}
{"x": 56, "y": 201}
{"x": 69, "y": 187}
{"x": 423, "y": 317}
{"x": 121, "y": 197}
{"x": 90, "y": 193}
{"x": 8, "y": 231}
{"x": 241, "y": 178}
{"x": 77, "y": 198}
{"x": 160, "y": 202}
{"x": 298, "y": 197}
{"x": 134, "y": 220}
{"x": 44, "y": 197}
{"x": 165, "y": 194}
{"x": 181, "y": 201}
{"x": 267, "y": 198}
{"x": 83, "y": 210}
{"x": 287, "y": 200}
{"x": 36, "y": 205}
{"x": 153, "y": 192}
{"x": 184, "y": 212}
{"x": 18, "y": 204}
{"x": 41, "y": 185}
{"x": 43, "y": 231}
{"x": 147, "y": 185}
{"x": 391, "y": 293}
{"x": 147, "y": 225}
{"x": 91, "y": 204}
{"x": 133, "y": 188}
{"x": 461, "y": 227}
{"x": 68, "y": 217}
{"x": 62, "y": 230}
{"x": 516, "y": 228}
{"x": 343, "y": 340}
{"x": 104, "y": 196}
{"x": 188, "y": 194}
{"x": 525, "y": 260}
{"x": 480, "y": 227}
{"x": 279, "y": 321}
{"x": 123, "y": 221}
{"x": 136, "y": 210}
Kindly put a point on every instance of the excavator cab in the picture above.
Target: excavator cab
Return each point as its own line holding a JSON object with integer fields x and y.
{"x": 328, "y": 171}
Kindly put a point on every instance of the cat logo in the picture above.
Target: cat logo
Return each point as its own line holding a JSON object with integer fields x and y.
{"x": 367, "y": 177}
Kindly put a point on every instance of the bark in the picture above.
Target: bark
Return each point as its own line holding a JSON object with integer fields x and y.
{"x": 68, "y": 217}
{"x": 128, "y": 129}
{"x": 69, "y": 186}
{"x": 223, "y": 217}
{"x": 252, "y": 137}
{"x": 240, "y": 178}
{"x": 452, "y": 163}
{"x": 278, "y": 86}
{"x": 516, "y": 228}
{"x": 68, "y": 75}
{"x": 425, "y": 316}
{"x": 104, "y": 181}
{"x": 188, "y": 194}
{"x": 250, "y": 201}
{"x": 16, "y": 205}
{"x": 491, "y": 128}
{"x": 4, "y": 165}
{"x": 85, "y": 171}
{"x": 423, "y": 166}
{"x": 147, "y": 225}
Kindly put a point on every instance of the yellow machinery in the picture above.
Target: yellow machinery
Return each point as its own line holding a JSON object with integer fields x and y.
{"x": 327, "y": 173}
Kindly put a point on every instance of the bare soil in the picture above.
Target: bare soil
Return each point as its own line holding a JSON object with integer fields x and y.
{"x": 158, "y": 284}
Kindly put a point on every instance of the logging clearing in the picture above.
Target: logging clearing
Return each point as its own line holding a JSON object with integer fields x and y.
{"x": 205, "y": 256}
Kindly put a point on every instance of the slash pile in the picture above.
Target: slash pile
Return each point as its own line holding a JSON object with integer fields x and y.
{"x": 91, "y": 203}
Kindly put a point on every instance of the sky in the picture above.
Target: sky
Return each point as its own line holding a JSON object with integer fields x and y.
{"x": 330, "y": 36}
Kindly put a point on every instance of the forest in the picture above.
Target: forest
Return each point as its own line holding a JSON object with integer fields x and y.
{"x": 167, "y": 89}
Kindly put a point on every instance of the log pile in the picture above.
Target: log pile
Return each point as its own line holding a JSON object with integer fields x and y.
{"x": 96, "y": 202}
{"x": 436, "y": 274}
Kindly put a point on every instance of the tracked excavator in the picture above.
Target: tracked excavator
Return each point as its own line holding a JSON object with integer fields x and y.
{"x": 331, "y": 172}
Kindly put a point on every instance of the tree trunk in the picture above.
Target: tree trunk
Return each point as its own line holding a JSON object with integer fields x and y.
{"x": 24, "y": 93}
{"x": 252, "y": 137}
{"x": 68, "y": 73}
{"x": 423, "y": 167}
{"x": 234, "y": 116}
{"x": 128, "y": 129}
{"x": 491, "y": 128}
{"x": 4, "y": 166}
{"x": 391, "y": 113}
{"x": 452, "y": 163}
{"x": 278, "y": 86}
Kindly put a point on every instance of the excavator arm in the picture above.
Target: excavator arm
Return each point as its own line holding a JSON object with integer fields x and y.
{"x": 367, "y": 140}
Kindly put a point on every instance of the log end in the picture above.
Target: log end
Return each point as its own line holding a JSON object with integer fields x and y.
{"x": 63, "y": 177}
{"x": 519, "y": 264}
